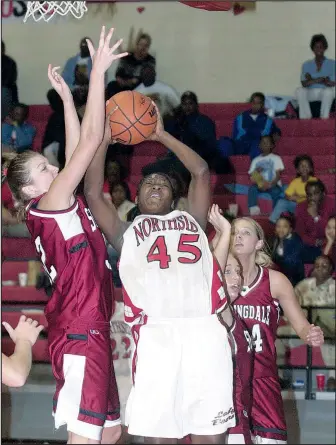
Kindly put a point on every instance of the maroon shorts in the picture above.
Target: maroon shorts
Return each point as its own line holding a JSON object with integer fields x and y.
{"x": 268, "y": 416}
{"x": 86, "y": 397}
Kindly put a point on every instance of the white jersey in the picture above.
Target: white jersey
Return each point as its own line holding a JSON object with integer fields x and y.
{"x": 167, "y": 269}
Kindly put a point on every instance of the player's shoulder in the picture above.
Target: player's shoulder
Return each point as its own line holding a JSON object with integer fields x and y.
{"x": 32, "y": 210}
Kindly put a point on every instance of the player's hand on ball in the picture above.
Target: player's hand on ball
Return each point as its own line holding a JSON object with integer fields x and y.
{"x": 58, "y": 82}
{"x": 315, "y": 336}
{"x": 26, "y": 330}
{"x": 159, "y": 126}
{"x": 104, "y": 56}
{"x": 216, "y": 218}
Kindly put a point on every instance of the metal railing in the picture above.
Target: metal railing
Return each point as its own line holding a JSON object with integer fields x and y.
{"x": 308, "y": 367}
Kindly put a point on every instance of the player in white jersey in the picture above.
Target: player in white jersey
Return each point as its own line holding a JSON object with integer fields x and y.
{"x": 182, "y": 365}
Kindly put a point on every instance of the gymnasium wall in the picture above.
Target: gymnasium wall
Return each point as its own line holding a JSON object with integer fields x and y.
{"x": 223, "y": 58}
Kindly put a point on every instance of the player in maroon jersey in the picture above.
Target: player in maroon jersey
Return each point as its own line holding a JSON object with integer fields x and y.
{"x": 72, "y": 250}
{"x": 240, "y": 339}
{"x": 263, "y": 292}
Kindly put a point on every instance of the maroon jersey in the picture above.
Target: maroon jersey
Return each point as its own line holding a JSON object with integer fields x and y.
{"x": 261, "y": 312}
{"x": 242, "y": 356}
{"x": 73, "y": 252}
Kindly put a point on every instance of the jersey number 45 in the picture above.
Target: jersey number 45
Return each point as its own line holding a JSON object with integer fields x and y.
{"x": 159, "y": 252}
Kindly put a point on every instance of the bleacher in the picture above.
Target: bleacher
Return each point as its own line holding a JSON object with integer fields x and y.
{"x": 313, "y": 137}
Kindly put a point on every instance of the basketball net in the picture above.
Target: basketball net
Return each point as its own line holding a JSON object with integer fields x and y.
{"x": 45, "y": 10}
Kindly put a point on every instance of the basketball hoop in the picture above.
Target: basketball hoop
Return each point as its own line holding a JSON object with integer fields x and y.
{"x": 46, "y": 10}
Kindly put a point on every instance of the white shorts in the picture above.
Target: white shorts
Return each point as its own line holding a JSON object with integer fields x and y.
{"x": 183, "y": 380}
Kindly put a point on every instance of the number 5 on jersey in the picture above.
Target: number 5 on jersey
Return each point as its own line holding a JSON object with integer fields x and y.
{"x": 159, "y": 252}
{"x": 52, "y": 271}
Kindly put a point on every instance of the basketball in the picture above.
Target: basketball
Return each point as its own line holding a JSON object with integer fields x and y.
{"x": 135, "y": 118}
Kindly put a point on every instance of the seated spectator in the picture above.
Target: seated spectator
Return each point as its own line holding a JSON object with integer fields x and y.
{"x": 312, "y": 216}
{"x": 121, "y": 198}
{"x": 250, "y": 125}
{"x": 317, "y": 79}
{"x": 114, "y": 174}
{"x": 287, "y": 249}
{"x": 295, "y": 192}
{"x": 53, "y": 145}
{"x": 16, "y": 368}
{"x": 319, "y": 289}
{"x": 265, "y": 171}
{"x": 9, "y": 90}
{"x": 128, "y": 74}
{"x": 18, "y": 135}
{"x": 78, "y": 68}
{"x": 165, "y": 96}
{"x": 329, "y": 245}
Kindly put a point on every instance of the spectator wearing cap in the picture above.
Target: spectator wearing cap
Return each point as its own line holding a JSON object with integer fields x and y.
{"x": 317, "y": 79}
{"x": 251, "y": 125}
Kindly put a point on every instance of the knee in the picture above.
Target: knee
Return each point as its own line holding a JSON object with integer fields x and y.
{"x": 111, "y": 435}
{"x": 328, "y": 93}
{"x": 301, "y": 92}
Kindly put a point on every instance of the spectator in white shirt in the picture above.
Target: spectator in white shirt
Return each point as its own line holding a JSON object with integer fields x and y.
{"x": 265, "y": 171}
{"x": 165, "y": 96}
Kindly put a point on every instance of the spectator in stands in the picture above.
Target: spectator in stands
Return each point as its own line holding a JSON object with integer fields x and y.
{"x": 114, "y": 174}
{"x": 53, "y": 145}
{"x": 78, "y": 68}
{"x": 319, "y": 289}
{"x": 295, "y": 192}
{"x": 313, "y": 216}
{"x": 329, "y": 244}
{"x": 9, "y": 90}
{"x": 18, "y": 135}
{"x": 16, "y": 368}
{"x": 317, "y": 79}
{"x": 265, "y": 171}
{"x": 121, "y": 198}
{"x": 195, "y": 130}
{"x": 287, "y": 249}
{"x": 165, "y": 96}
{"x": 250, "y": 125}
{"x": 128, "y": 75}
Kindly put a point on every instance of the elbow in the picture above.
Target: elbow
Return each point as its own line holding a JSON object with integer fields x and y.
{"x": 92, "y": 194}
{"x": 202, "y": 172}
{"x": 17, "y": 379}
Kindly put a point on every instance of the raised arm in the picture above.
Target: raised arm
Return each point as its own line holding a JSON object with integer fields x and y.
{"x": 199, "y": 188}
{"x": 72, "y": 125}
{"x": 282, "y": 289}
{"x": 60, "y": 195}
{"x": 221, "y": 241}
{"x": 103, "y": 210}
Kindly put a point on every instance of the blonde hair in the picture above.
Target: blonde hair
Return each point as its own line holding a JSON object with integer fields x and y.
{"x": 262, "y": 256}
{"x": 17, "y": 173}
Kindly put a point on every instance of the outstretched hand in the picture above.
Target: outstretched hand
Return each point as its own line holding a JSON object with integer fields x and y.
{"x": 58, "y": 83}
{"x": 159, "y": 126}
{"x": 104, "y": 56}
{"x": 26, "y": 330}
{"x": 216, "y": 218}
